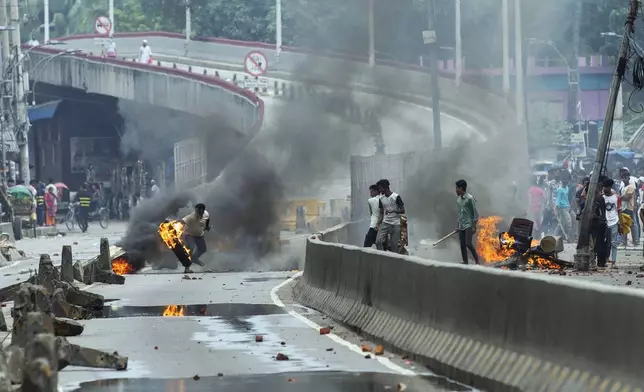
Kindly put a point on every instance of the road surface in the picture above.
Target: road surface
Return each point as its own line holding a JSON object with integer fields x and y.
{"x": 213, "y": 347}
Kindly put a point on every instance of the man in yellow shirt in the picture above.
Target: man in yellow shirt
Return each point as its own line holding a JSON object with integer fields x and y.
{"x": 197, "y": 223}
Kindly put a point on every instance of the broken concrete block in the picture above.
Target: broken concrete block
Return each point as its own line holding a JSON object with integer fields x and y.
{"x": 40, "y": 371}
{"x": 84, "y": 299}
{"x": 67, "y": 327}
{"x": 15, "y": 362}
{"x": 75, "y": 355}
{"x": 61, "y": 308}
{"x": 48, "y": 276}
{"x": 67, "y": 264}
{"x": 78, "y": 271}
{"x": 108, "y": 277}
{"x": 5, "y": 381}
{"x": 104, "y": 259}
{"x": 28, "y": 325}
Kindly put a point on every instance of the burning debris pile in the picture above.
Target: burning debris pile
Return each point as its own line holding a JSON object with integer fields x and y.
{"x": 121, "y": 266}
{"x": 171, "y": 233}
{"x": 44, "y": 313}
{"x": 516, "y": 248}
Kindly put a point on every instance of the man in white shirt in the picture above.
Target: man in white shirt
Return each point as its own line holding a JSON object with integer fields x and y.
{"x": 391, "y": 208}
{"x": 629, "y": 192}
{"x": 613, "y": 218}
{"x": 154, "y": 189}
{"x": 374, "y": 213}
{"x": 197, "y": 224}
{"x": 145, "y": 53}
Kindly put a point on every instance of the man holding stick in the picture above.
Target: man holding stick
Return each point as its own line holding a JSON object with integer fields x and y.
{"x": 468, "y": 217}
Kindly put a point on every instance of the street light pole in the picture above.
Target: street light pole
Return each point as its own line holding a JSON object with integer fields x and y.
{"x": 278, "y": 29}
{"x": 506, "y": 49}
{"x": 458, "y": 51}
{"x": 46, "y": 17}
{"x": 518, "y": 63}
{"x": 110, "y": 15}
{"x": 433, "y": 64}
{"x": 22, "y": 127}
{"x": 372, "y": 38}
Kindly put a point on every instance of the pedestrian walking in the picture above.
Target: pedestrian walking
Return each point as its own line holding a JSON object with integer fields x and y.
{"x": 374, "y": 214}
{"x": 629, "y": 193}
{"x": 40, "y": 204}
{"x": 84, "y": 199}
{"x": 51, "y": 203}
{"x": 562, "y": 209}
{"x": 145, "y": 53}
{"x": 613, "y": 220}
{"x": 536, "y": 201}
{"x": 468, "y": 218}
{"x": 197, "y": 223}
{"x": 391, "y": 208}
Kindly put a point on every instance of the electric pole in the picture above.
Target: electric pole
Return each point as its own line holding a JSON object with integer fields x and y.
{"x": 429, "y": 39}
{"x": 458, "y": 53}
{"x": 22, "y": 126}
{"x": 278, "y": 29}
{"x": 372, "y": 38}
{"x": 506, "y": 49}
{"x": 573, "y": 71}
{"x": 110, "y": 15}
{"x": 518, "y": 63}
{"x": 583, "y": 255}
{"x": 46, "y": 22}
{"x": 4, "y": 119}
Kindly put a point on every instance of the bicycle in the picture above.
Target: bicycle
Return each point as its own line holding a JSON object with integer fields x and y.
{"x": 101, "y": 214}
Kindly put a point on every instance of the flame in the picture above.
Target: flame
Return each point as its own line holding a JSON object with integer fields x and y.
{"x": 172, "y": 234}
{"x": 488, "y": 245}
{"x": 539, "y": 262}
{"x": 120, "y": 266}
{"x": 173, "y": 311}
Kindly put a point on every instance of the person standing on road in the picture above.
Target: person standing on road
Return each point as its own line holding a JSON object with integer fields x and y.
{"x": 562, "y": 207}
{"x": 536, "y": 200}
{"x": 468, "y": 218}
{"x": 391, "y": 208}
{"x": 51, "y": 204}
{"x": 374, "y": 213}
{"x": 154, "y": 189}
{"x": 145, "y": 53}
{"x": 40, "y": 204}
{"x": 613, "y": 220}
{"x": 84, "y": 199}
{"x": 197, "y": 224}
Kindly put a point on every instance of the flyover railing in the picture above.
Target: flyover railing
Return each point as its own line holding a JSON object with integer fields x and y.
{"x": 479, "y": 107}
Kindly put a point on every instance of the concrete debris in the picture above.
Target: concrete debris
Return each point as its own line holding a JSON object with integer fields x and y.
{"x": 380, "y": 350}
{"x": 67, "y": 264}
{"x": 196, "y": 377}
{"x": 366, "y": 348}
{"x": 41, "y": 365}
{"x": 74, "y": 355}
{"x": 259, "y": 338}
{"x": 15, "y": 362}
{"x": 67, "y": 327}
{"x": 3, "y": 323}
{"x": 108, "y": 277}
{"x": 61, "y": 308}
{"x": 281, "y": 357}
{"x": 325, "y": 331}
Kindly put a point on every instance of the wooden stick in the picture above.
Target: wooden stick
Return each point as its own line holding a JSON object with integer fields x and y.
{"x": 444, "y": 238}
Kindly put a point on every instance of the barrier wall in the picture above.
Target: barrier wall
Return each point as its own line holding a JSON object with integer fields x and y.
{"x": 492, "y": 329}
{"x": 201, "y": 95}
{"x": 485, "y": 110}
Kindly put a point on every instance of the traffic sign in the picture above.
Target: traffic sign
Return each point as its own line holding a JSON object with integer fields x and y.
{"x": 103, "y": 25}
{"x": 255, "y": 63}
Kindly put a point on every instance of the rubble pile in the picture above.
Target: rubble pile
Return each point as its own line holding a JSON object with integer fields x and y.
{"x": 45, "y": 311}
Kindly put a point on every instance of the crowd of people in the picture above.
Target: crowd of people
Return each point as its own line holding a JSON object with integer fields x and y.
{"x": 555, "y": 206}
{"x": 387, "y": 221}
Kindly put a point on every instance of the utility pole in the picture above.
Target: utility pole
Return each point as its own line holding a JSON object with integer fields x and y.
{"x": 188, "y": 22}
{"x": 518, "y": 63}
{"x": 583, "y": 255}
{"x": 4, "y": 56}
{"x": 506, "y": 49}
{"x": 573, "y": 71}
{"x": 278, "y": 29}
{"x": 372, "y": 38}
{"x": 46, "y": 26}
{"x": 22, "y": 127}
{"x": 429, "y": 39}
{"x": 110, "y": 15}
{"x": 458, "y": 50}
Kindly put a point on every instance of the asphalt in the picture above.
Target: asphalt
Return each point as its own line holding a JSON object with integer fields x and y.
{"x": 213, "y": 345}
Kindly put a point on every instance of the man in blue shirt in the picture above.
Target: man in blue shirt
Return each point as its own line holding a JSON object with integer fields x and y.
{"x": 562, "y": 208}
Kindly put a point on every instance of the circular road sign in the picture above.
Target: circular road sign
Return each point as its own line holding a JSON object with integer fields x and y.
{"x": 255, "y": 63}
{"x": 103, "y": 25}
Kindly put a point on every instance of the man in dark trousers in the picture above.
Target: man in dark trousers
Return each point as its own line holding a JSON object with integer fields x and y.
{"x": 197, "y": 223}
{"x": 84, "y": 199}
{"x": 468, "y": 217}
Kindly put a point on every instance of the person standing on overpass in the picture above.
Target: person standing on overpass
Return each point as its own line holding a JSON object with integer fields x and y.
{"x": 145, "y": 53}
{"x": 374, "y": 213}
{"x": 197, "y": 224}
{"x": 468, "y": 218}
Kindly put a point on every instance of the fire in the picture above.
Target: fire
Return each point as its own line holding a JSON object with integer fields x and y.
{"x": 120, "y": 266}
{"x": 488, "y": 245}
{"x": 172, "y": 234}
{"x": 173, "y": 311}
{"x": 542, "y": 263}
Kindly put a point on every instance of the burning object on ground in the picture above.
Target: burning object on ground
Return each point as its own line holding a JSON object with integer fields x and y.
{"x": 171, "y": 233}
{"x": 516, "y": 248}
{"x": 174, "y": 311}
{"x": 121, "y": 266}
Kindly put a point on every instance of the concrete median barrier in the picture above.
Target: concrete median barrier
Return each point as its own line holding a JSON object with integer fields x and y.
{"x": 492, "y": 329}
